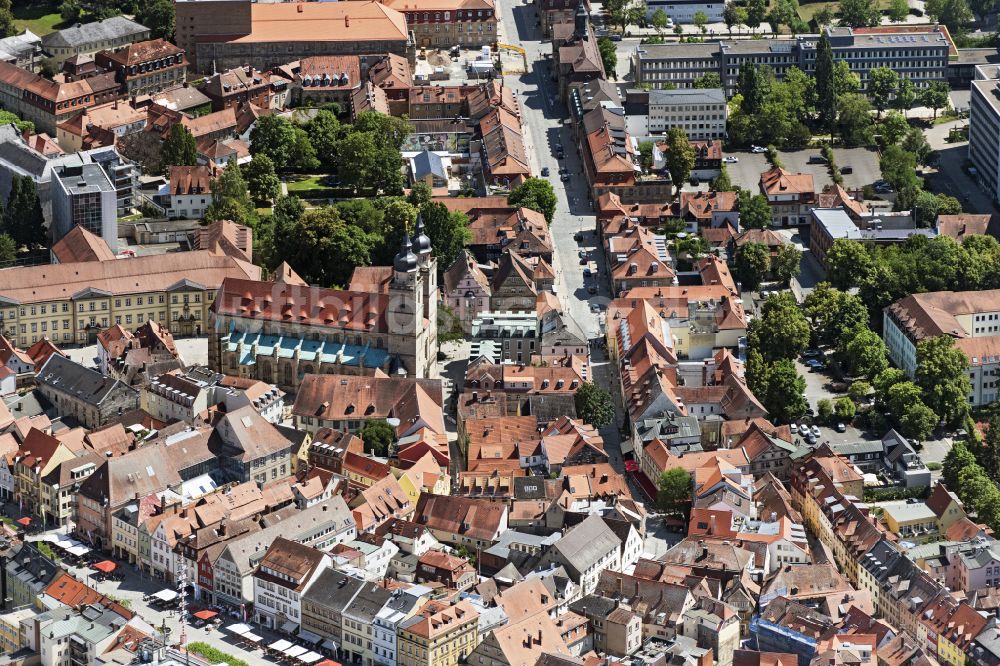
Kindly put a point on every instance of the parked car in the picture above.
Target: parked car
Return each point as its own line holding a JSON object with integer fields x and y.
{"x": 815, "y": 431}
{"x": 841, "y": 427}
{"x": 817, "y": 159}
{"x": 846, "y": 169}
{"x": 794, "y": 427}
{"x": 695, "y": 181}
{"x": 586, "y": 272}
{"x": 582, "y": 254}
{"x": 545, "y": 171}
{"x": 812, "y": 352}
{"x": 564, "y": 177}
{"x": 730, "y": 159}
{"x": 578, "y": 236}
{"x": 563, "y": 171}
{"x": 758, "y": 149}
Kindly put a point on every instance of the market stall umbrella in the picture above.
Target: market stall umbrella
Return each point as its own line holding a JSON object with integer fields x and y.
{"x": 78, "y": 551}
{"x": 328, "y": 662}
{"x": 107, "y": 566}
{"x": 295, "y": 651}
{"x": 239, "y": 629}
{"x": 166, "y": 595}
{"x": 280, "y": 645}
{"x": 24, "y": 521}
{"x": 205, "y": 614}
{"x": 252, "y": 637}
{"x": 310, "y": 657}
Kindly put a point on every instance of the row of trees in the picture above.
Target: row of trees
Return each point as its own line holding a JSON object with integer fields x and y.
{"x": 775, "y": 339}
{"x": 972, "y": 472}
{"x": 883, "y": 275}
{"x": 21, "y": 219}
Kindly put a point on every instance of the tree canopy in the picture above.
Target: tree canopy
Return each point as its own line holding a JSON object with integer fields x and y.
{"x": 536, "y": 194}
{"x": 594, "y": 405}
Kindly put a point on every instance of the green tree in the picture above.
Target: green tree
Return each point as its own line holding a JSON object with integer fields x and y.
{"x": 756, "y": 13}
{"x": 884, "y": 383}
{"x": 942, "y": 374}
{"x": 903, "y": 395}
{"x": 844, "y": 409}
{"x": 906, "y": 95}
{"x": 785, "y": 398}
{"x": 23, "y": 218}
{"x": 594, "y": 405}
{"x": 781, "y": 331}
{"x": 378, "y": 437}
{"x": 721, "y": 183}
{"x": 898, "y": 10}
{"x": 674, "y": 491}
{"x": 866, "y": 354}
{"x": 953, "y": 13}
{"x": 397, "y": 216}
{"x": 783, "y": 12}
{"x": 70, "y": 11}
{"x": 261, "y": 179}
{"x": 179, "y": 148}
{"x": 231, "y": 198}
{"x": 274, "y": 136}
{"x": 755, "y": 212}
{"x": 859, "y": 13}
{"x": 754, "y": 86}
{"x": 854, "y": 119}
{"x": 321, "y": 248}
{"x": 158, "y": 16}
{"x": 824, "y": 410}
{"x": 752, "y": 264}
{"x": 893, "y": 128}
{"x": 859, "y": 390}
{"x": 659, "y": 20}
{"x": 302, "y": 154}
{"x": 882, "y": 85}
{"x": 730, "y": 16}
{"x": 927, "y": 206}
{"x": 700, "y": 20}
{"x": 420, "y": 194}
{"x": 367, "y": 166}
{"x": 6, "y": 19}
{"x": 848, "y": 263}
{"x": 899, "y": 167}
{"x": 536, "y": 194}
{"x": 917, "y": 422}
{"x": 845, "y": 82}
{"x": 787, "y": 263}
{"x": 915, "y": 142}
{"x": 982, "y": 7}
{"x": 826, "y": 95}
{"x": 824, "y": 16}
{"x": 710, "y": 80}
{"x": 935, "y": 96}
{"x": 390, "y": 131}
{"x": 680, "y": 157}
{"x": 609, "y": 55}
{"x": 324, "y": 133}
{"x": 8, "y": 248}
{"x": 448, "y": 231}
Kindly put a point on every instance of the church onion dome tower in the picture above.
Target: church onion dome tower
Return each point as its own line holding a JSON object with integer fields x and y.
{"x": 421, "y": 243}
{"x": 405, "y": 261}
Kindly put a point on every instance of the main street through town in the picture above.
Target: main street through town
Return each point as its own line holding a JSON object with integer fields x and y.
{"x": 543, "y": 115}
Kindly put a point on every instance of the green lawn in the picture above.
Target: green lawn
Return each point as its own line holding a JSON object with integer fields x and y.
{"x": 808, "y": 10}
{"x": 40, "y": 18}
{"x": 310, "y": 183}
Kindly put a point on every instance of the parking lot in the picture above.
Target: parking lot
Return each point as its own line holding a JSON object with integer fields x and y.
{"x": 863, "y": 162}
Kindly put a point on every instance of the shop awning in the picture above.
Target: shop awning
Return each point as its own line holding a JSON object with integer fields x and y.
{"x": 309, "y": 637}
{"x": 329, "y": 645}
{"x": 107, "y": 566}
{"x": 295, "y": 651}
{"x": 289, "y": 627}
{"x": 205, "y": 614}
{"x": 310, "y": 658}
{"x": 166, "y": 595}
{"x": 239, "y": 629}
{"x": 280, "y": 645}
{"x": 252, "y": 637}
{"x": 24, "y": 521}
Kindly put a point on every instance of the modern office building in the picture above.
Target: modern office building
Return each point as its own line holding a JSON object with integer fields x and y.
{"x": 984, "y": 129}
{"x": 970, "y": 318}
{"x": 917, "y": 52}
{"x": 701, "y": 113}
{"x": 683, "y": 11}
{"x": 84, "y": 195}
